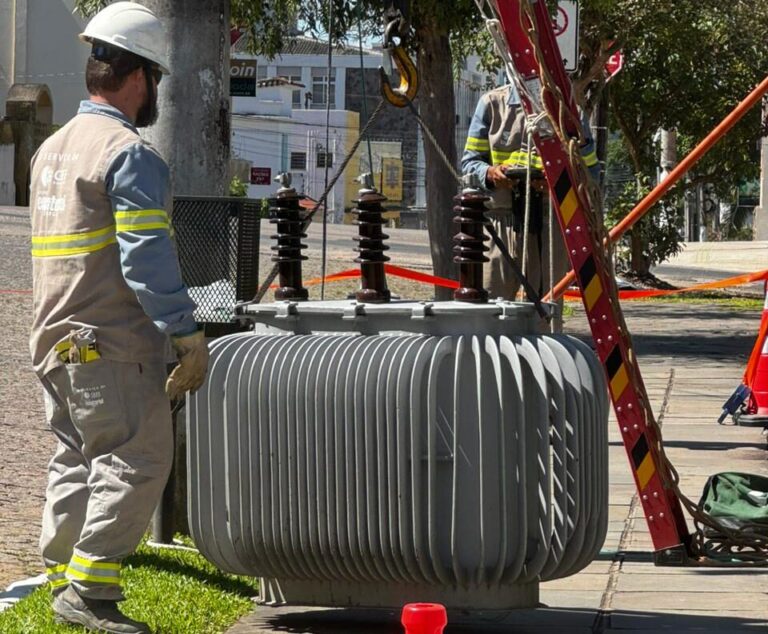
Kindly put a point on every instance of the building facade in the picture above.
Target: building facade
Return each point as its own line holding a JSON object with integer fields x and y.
{"x": 354, "y": 87}
{"x": 273, "y": 137}
{"x": 39, "y": 45}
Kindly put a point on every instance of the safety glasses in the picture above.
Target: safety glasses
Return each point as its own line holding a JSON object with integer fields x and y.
{"x": 155, "y": 73}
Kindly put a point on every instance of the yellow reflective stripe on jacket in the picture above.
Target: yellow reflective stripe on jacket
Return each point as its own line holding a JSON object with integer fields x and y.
{"x": 517, "y": 158}
{"x": 590, "y": 159}
{"x": 478, "y": 145}
{"x": 95, "y": 571}
{"x": 72, "y": 243}
{"x": 142, "y": 220}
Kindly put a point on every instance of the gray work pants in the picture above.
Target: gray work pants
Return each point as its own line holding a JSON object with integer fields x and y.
{"x": 499, "y": 278}
{"x": 113, "y": 424}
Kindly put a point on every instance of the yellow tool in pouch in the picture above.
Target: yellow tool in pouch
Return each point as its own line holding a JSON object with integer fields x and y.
{"x": 79, "y": 347}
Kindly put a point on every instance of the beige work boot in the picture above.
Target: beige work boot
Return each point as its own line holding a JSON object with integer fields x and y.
{"x": 96, "y": 615}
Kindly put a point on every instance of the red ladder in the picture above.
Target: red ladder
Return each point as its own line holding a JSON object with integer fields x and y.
{"x": 663, "y": 511}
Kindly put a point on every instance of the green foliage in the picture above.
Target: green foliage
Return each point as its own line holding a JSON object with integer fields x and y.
{"x": 237, "y": 187}
{"x": 709, "y": 298}
{"x": 270, "y": 22}
{"x": 658, "y": 231}
{"x": 687, "y": 64}
{"x": 88, "y": 7}
{"x": 175, "y": 591}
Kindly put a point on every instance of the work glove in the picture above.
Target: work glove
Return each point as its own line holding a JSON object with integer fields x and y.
{"x": 189, "y": 375}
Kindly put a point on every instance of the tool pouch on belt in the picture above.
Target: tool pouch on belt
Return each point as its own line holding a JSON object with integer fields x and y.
{"x": 78, "y": 347}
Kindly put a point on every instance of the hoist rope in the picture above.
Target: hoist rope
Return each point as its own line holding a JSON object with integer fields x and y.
{"x": 327, "y": 142}
{"x": 527, "y": 214}
{"x": 363, "y": 82}
{"x": 730, "y": 547}
{"x": 551, "y": 240}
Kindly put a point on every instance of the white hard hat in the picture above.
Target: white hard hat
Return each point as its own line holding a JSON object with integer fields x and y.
{"x": 133, "y": 28}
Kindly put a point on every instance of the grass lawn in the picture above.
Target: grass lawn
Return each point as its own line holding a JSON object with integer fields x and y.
{"x": 175, "y": 591}
{"x": 733, "y": 302}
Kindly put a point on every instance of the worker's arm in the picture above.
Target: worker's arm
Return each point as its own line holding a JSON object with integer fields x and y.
{"x": 588, "y": 152}
{"x": 137, "y": 184}
{"x": 477, "y": 150}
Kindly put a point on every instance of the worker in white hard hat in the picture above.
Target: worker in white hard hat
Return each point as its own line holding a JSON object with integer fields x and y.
{"x": 110, "y": 310}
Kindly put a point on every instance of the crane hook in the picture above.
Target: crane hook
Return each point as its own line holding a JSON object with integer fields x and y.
{"x": 409, "y": 79}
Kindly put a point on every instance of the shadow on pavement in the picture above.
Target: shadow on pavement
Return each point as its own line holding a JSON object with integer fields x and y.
{"x": 704, "y": 445}
{"x": 541, "y": 621}
{"x": 696, "y": 345}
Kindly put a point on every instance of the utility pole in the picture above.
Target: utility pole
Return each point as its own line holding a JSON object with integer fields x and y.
{"x": 760, "y": 222}
{"x": 193, "y": 128}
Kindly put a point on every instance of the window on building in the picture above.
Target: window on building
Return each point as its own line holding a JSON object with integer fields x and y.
{"x": 319, "y": 88}
{"x": 322, "y": 157}
{"x": 292, "y": 73}
{"x": 261, "y": 71}
{"x": 298, "y": 161}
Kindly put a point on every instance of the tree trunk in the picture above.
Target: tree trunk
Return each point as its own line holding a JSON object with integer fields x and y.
{"x": 193, "y": 128}
{"x": 437, "y": 108}
{"x": 192, "y": 133}
{"x": 638, "y": 262}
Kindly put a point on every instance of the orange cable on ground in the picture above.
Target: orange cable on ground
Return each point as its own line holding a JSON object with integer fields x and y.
{"x": 662, "y": 188}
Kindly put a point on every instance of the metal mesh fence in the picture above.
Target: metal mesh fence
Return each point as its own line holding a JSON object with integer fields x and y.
{"x": 218, "y": 244}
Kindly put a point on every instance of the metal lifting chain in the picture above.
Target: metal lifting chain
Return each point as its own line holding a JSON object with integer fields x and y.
{"x": 363, "y": 134}
{"x": 728, "y": 546}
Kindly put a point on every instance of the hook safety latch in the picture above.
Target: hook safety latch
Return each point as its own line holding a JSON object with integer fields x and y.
{"x": 409, "y": 79}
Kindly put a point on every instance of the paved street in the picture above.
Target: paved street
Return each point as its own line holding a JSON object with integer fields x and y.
{"x": 691, "y": 357}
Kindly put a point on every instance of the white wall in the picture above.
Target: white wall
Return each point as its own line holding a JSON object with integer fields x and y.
{"x": 39, "y": 45}
{"x": 308, "y": 62}
{"x": 267, "y": 141}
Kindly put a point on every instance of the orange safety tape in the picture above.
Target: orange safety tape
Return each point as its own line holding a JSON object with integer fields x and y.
{"x": 420, "y": 277}
{"x": 757, "y": 350}
{"x": 425, "y": 278}
{"x": 15, "y": 291}
{"x": 730, "y": 281}
{"x": 397, "y": 271}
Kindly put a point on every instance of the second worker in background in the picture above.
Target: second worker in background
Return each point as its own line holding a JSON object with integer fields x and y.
{"x": 496, "y": 151}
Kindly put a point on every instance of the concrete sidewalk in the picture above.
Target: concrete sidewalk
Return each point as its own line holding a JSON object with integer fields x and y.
{"x": 691, "y": 357}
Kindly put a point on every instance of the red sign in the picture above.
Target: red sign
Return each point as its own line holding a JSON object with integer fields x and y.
{"x": 560, "y": 22}
{"x": 235, "y": 34}
{"x": 261, "y": 176}
{"x": 614, "y": 64}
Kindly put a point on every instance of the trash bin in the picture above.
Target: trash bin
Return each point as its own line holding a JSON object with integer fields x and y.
{"x": 218, "y": 244}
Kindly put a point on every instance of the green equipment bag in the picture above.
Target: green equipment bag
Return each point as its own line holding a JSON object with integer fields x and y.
{"x": 739, "y": 501}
